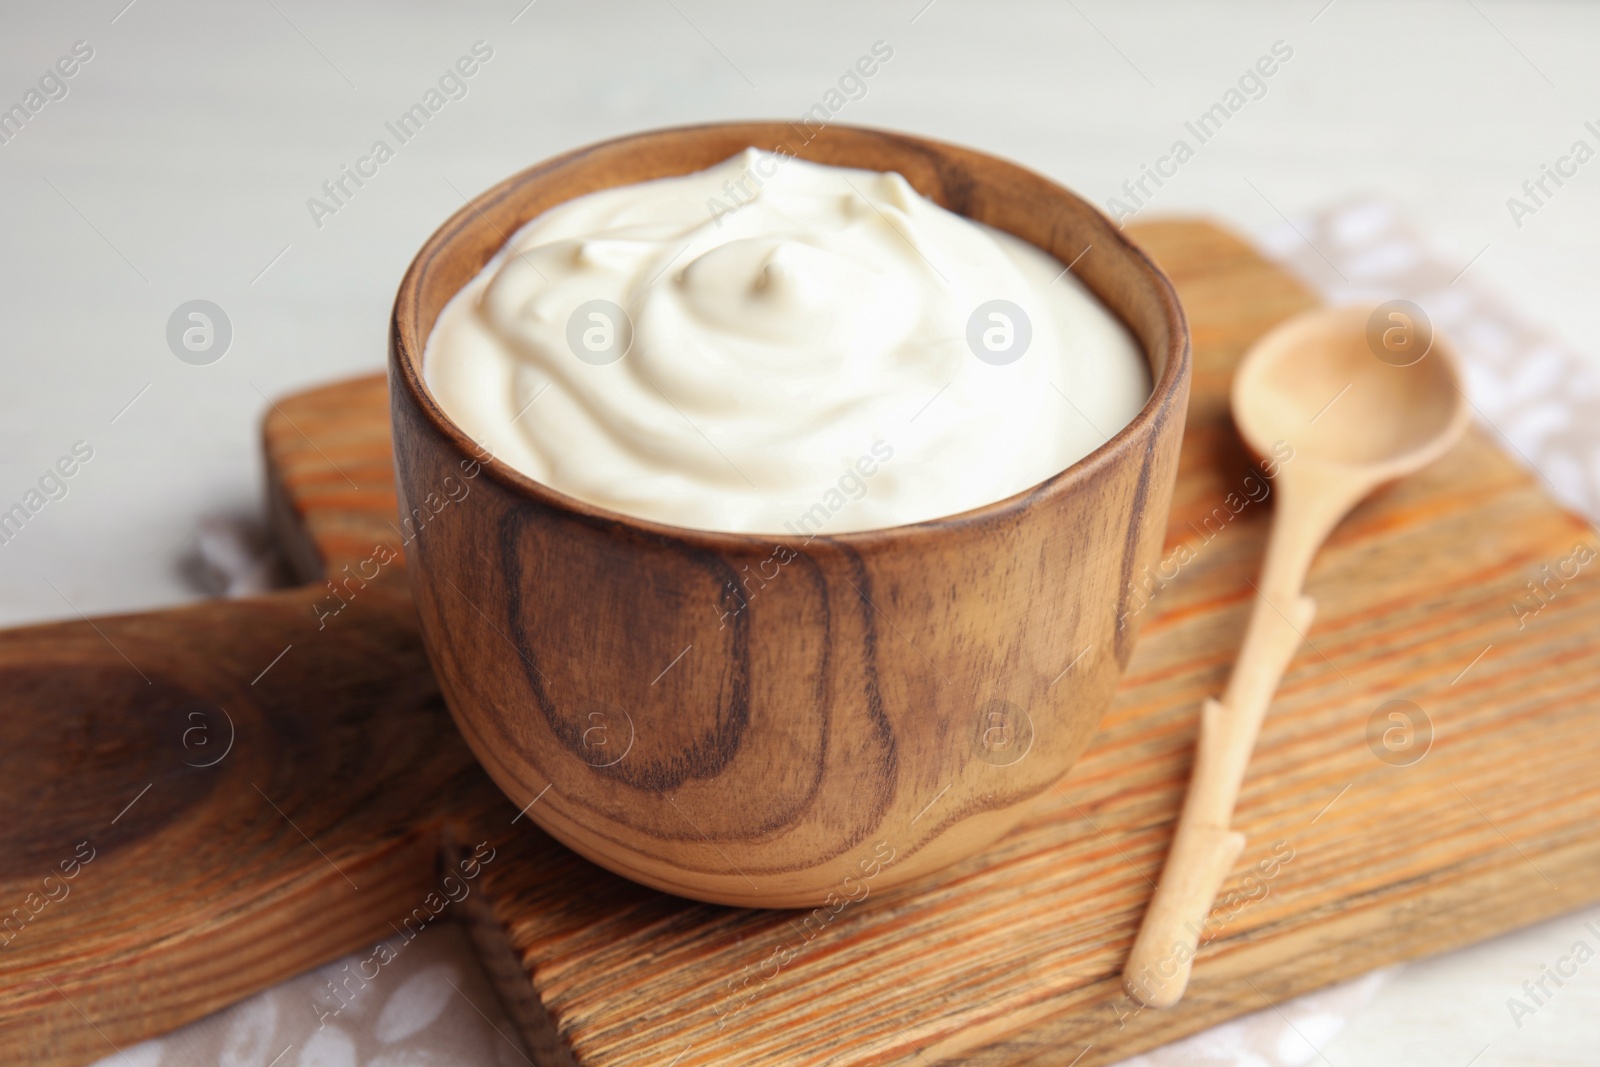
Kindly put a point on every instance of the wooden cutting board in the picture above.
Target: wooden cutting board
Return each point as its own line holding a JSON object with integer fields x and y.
{"x": 259, "y": 786}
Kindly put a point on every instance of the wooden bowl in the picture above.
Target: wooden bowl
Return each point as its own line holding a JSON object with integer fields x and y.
{"x": 889, "y": 701}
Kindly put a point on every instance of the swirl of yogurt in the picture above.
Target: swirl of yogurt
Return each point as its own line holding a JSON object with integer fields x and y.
{"x": 771, "y": 345}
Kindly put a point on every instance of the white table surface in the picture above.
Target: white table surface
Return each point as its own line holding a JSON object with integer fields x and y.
{"x": 179, "y": 164}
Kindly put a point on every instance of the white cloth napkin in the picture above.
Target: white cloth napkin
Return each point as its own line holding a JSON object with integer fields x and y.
{"x": 428, "y": 1005}
{"x": 237, "y": 557}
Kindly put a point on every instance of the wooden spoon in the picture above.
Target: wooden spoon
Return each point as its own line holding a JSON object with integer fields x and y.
{"x": 1362, "y": 397}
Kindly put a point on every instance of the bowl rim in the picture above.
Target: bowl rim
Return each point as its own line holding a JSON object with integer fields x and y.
{"x": 406, "y": 350}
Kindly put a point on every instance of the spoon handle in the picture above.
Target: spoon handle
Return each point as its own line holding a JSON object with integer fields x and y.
{"x": 1204, "y": 849}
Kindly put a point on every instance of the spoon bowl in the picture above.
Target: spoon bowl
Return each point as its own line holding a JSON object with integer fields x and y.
{"x": 1326, "y": 385}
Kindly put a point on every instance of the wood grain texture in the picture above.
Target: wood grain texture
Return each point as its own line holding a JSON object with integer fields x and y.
{"x": 1012, "y": 958}
{"x": 330, "y": 482}
{"x": 242, "y": 815}
{"x": 747, "y": 719}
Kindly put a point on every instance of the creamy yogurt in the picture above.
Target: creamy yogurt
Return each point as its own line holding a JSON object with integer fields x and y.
{"x": 775, "y": 346}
